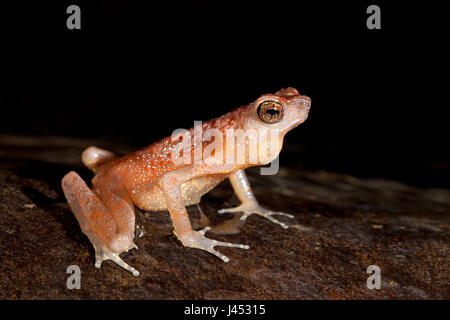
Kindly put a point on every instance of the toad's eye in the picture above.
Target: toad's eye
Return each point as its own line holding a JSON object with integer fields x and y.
{"x": 270, "y": 111}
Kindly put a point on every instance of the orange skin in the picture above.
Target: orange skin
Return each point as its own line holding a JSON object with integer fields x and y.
{"x": 151, "y": 180}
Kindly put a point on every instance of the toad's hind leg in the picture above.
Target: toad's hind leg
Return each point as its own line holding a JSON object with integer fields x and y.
{"x": 108, "y": 223}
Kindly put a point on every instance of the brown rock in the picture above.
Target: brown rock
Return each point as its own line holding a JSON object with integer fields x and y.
{"x": 342, "y": 225}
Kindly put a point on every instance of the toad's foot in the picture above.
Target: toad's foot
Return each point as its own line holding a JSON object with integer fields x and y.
{"x": 254, "y": 208}
{"x": 106, "y": 254}
{"x": 197, "y": 239}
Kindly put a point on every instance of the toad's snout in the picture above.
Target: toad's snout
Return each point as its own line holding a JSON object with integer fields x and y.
{"x": 304, "y": 103}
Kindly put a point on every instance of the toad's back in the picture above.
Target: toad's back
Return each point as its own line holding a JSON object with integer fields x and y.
{"x": 140, "y": 171}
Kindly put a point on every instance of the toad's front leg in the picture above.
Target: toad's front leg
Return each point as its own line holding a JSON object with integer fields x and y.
{"x": 170, "y": 183}
{"x": 249, "y": 204}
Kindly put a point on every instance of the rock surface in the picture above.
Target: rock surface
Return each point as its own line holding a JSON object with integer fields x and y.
{"x": 342, "y": 225}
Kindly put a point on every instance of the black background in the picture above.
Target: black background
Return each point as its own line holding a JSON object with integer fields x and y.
{"x": 138, "y": 70}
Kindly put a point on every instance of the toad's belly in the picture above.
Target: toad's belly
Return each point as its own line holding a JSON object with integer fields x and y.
{"x": 152, "y": 198}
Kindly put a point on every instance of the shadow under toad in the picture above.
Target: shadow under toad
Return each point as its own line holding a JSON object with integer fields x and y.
{"x": 233, "y": 225}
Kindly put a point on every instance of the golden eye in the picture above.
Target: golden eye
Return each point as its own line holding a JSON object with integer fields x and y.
{"x": 270, "y": 111}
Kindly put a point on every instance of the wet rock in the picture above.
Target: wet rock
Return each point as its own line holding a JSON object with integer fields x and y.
{"x": 342, "y": 225}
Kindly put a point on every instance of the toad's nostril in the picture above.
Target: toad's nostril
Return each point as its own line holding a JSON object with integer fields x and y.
{"x": 305, "y": 102}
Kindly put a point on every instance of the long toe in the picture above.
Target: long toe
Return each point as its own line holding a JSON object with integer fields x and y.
{"x": 225, "y": 210}
{"x": 199, "y": 241}
{"x": 271, "y": 218}
{"x": 105, "y": 254}
{"x": 284, "y": 214}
